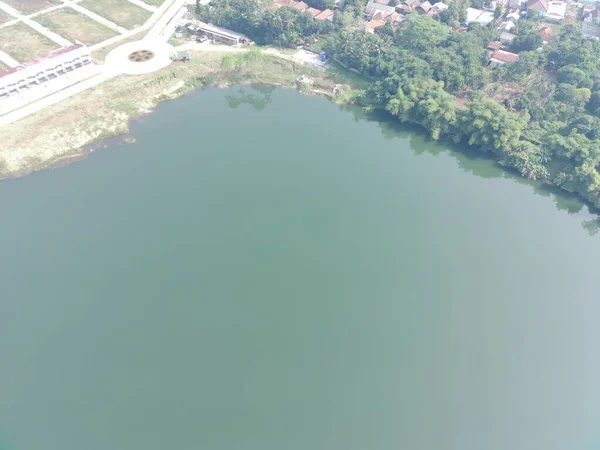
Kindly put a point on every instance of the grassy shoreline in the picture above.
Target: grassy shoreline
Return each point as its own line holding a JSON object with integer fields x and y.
{"x": 71, "y": 129}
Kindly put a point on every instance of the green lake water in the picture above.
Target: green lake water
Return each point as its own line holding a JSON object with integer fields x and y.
{"x": 263, "y": 270}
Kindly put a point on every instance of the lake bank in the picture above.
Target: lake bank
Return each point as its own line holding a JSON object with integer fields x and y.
{"x": 76, "y": 126}
{"x": 290, "y": 284}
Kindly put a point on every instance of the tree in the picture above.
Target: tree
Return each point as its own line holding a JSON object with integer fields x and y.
{"x": 528, "y": 37}
{"x": 487, "y": 124}
{"x": 423, "y": 33}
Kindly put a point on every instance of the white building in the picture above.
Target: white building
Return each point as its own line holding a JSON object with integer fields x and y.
{"x": 556, "y": 12}
{"x": 38, "y": 72}
{"x": 479, "y": 16}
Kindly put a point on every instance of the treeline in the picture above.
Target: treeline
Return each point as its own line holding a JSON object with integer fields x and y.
{"x": 424, "y": 72}
{"x": 284, "y": 27}
{"x": 427, "y": 74}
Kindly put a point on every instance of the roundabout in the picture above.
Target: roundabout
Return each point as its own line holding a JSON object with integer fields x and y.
{"x": 139, "y": 57}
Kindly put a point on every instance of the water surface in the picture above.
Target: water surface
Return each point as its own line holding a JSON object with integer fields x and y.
{"x": 266, "y": 271}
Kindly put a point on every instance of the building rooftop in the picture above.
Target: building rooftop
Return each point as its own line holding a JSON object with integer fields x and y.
{"x": 547, "y": 33}
{"x": 504, "y": 56}
{"x": 210, "y": 28}
{"x": 324, "y": 15}
{"x": 301, "y": 6}
{"x": 494, "y": 45}
{"x": 538, "y": 5}
{"x": 314, "y": 11}
{"x": 33, "y": 62}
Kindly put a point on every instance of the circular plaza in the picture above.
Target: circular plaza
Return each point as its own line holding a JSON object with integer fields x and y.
{"x": 139, "y": 57}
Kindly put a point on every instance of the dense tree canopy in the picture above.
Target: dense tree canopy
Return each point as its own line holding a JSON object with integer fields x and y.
{"x": 425, "y": 73}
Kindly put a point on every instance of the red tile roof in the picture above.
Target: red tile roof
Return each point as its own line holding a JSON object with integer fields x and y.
{"x": 314, "y": 11}
{"x": 503, "y": 56}
{"x": 324, "y": 14}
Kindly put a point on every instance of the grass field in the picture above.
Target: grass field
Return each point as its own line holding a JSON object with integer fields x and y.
{"x": 75, "y": 26}
{"x": 31, "y": 6}
{"x": 24, "y": 43}
{"x": 121, "y": 12}
{"x": 5, "y": 17}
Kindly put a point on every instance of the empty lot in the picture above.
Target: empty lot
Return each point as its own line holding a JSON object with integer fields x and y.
{"x": 31, "y": 6}
{"x": 75, "y": 26}
{"x": 24, "y": 43}
{"x": 5, "y": 17}
{"x": 154, "y": 2}
{"x": 120, "y": 12}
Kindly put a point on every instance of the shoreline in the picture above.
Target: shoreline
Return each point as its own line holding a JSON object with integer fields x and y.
{"x": 71, "y": 130}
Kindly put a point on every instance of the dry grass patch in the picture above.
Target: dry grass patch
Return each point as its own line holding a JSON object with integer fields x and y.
{"x": 5, "y": 17}
{"x": 3, "y": 66}
{"x": 121, "y": 12}
{"x": 156, "y": 3}
{"x": 31, "y": 6}
{"x": 24, "y": 43}
{"x": 75, "y": 26}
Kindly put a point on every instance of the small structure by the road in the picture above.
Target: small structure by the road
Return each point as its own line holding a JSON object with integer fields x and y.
{"x": 222, "y": 34}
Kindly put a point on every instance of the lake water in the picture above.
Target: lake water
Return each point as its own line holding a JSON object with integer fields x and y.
{"x": 263, "y": 270}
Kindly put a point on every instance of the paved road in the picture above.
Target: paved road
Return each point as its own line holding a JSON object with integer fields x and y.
{"x": 157, "y": 22}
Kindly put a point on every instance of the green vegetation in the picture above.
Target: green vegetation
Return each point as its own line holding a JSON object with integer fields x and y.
{"x": 74, "y": 26}
{"x": 24, "y": 43}
{"x": 121, "y": 12}
{"x": 31, "y": 6}
{"x": 540, "y": 115}
{"x": 285, "y": 27}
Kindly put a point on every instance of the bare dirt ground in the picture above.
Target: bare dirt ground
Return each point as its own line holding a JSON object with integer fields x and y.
{"x": 31, "y": 6}
{"x": 23, "y": 43}
{"x": 74, "y": 26}
{"x": 121, "y": 12}
{"x": 5, "y": 17}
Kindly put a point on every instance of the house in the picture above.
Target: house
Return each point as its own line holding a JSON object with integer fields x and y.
{"x": 395, "y": 18}
{"x": 494, "y": 46}
{"x": 501, "y": 57}
{"x": 439, "y": 7}
{"x": 547, "y": 33}
{"x": 424, "y": 7}
{"x": 513, "y": 16}
{"x": 313, "y": 11}
{"x": 556, "y": 11}
{"x": 370, "y": 26}
{"x": 537, "y": 7}
{"x": 479, "y": 16}
{"x": 65, "y": 64}
{"x": 325, "y": 15}
{"x": 377, "y": 10}
{"x": 506, "y": 26}
{"x": 507, "y": 37}
{"x": 222, "y": 34}
{"x": 300, "y": 6}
